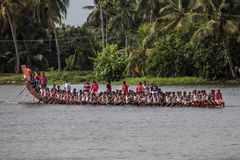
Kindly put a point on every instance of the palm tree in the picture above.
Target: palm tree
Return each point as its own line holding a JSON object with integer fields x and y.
{"x": 95, "y": 14}
{"x": 122, "y": 19}
{"x": 221, "y": 24}
{"x": 137, "y": 58}
{"x": 51, "y": 12}
{"x": 99, "y": 11}
{"x": 10, "y": 14}
{"x": 174, "y": 12}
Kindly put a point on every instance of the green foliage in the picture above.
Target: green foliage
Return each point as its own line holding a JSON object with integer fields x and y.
{"x": 110, "y": 63}
{"x": 175, "y": 56}
{"x": 137, "y": 63}
{"x": 72, "y": 76}
{"x": 172, "y": 56}
{"x": 209, "y": 60}
{"x": 155, "y": 34}
{"x": 77, "y": 45}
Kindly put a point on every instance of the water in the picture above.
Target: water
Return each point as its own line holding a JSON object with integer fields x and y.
{"x": 33, "y": 131}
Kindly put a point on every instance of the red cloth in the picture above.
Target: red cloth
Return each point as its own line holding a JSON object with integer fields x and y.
{"x": 95, "y": 87}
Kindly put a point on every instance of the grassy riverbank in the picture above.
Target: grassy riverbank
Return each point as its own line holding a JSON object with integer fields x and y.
{"x": 176, "y": 81}
{"x": 11, "y": 78}
{"x": 166, "y": 81}
{"x": 76, "y": 77}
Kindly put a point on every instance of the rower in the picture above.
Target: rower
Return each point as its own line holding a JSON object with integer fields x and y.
{"x": 155, "y": 89}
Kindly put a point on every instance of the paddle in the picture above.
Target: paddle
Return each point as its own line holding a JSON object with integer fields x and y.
{"x": 20, "y": 93}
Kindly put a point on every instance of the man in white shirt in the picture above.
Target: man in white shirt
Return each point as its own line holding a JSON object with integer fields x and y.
{"x": 68, "y": 86}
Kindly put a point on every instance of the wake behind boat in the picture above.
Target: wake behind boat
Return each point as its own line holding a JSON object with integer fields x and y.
{"x": 142, "y": 97}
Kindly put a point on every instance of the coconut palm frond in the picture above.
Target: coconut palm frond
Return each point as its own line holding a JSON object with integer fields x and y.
{"x": 170, "y": 27}
{"x": 172, "y": 3}
{"x": 223, "y": 5}
{"x": 180, "y": 7}
{"x": 179, "y": 25}
{"x": 213, "y": 6}
{"x": 205, "y": 31}
{"x": 196, "y": 4}
{"x": 170, "y": 17}
{"x": 231, "y": 28}
{"x": 193, "y": 17}
{"x": 166, "y": 8}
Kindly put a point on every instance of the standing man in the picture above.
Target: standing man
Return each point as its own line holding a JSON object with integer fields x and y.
{"x": 43, "y": 81}
{"x": 86, "y": 87}
{"x": 124, "y": 88}
{"x": 139, "y": 88}
{"x": 218, "y": 97}
{"x": 109, "y": 87}
{"x": 95, "y": 87}
{"x": 68, "y": 86}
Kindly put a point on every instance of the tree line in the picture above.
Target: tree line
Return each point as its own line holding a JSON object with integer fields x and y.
{"x": 124, "y": 38}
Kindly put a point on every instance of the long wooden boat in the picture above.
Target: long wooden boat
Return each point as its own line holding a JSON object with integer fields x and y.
{"x": 35, "y": 93}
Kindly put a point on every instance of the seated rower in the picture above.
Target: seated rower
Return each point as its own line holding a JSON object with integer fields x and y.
{"x": 179, "y": 98}
{"x": 155, "y": 88}
{"x": 149, "y": 99}
{"x": 155, "y": 99}
{"x": 168, "y": 99}
{"x": 174, "y": 98}
{"x": 211, "y": 97}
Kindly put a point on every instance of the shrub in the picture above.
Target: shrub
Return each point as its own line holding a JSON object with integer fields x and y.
{"x": 110, "y": 63}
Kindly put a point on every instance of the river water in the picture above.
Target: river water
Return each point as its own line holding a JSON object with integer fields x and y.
{"x": 39, "y": 131}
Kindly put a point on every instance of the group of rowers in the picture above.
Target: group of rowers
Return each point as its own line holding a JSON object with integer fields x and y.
{"x": 145, "y": 94}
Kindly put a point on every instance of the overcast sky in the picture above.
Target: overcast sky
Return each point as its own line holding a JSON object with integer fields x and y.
{"x": 76, "y": 15}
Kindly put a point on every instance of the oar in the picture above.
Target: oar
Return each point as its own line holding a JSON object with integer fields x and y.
{"x": 21, "y": 92}
{"x": 31, "y": 90}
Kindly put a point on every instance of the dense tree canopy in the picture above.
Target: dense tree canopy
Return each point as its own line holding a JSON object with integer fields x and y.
{"x": 157, "y": 37}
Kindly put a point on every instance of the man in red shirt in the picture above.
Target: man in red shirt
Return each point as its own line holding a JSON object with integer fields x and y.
{"x": 43, "y": 81}
{"x": 218, "y": 97}
{"x": 109, "y": 87}
{"x": 139, "y": 88}
{"x": 124, "y": 88}
{"x": 94, "y": 87}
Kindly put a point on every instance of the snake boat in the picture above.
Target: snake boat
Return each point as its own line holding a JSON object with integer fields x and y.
{"x": 36, "y": 94}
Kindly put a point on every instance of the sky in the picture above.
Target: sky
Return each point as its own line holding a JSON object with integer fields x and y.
{"x": 76, "y": 15}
